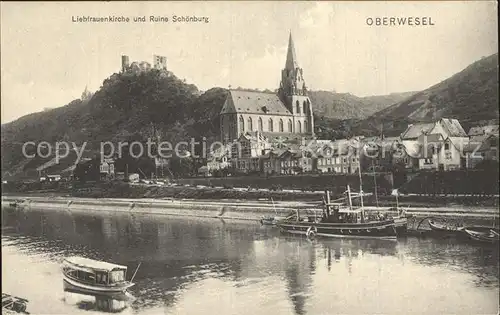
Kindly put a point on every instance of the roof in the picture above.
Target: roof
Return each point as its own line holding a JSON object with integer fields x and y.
{"x": 483, "y": 130}
{"x": 254, "y": 102}
{"x": 414, "y": 131}
{"x": 254, "y": 136}
{"x": 480, "y": 143}
{"x": 92, "y": 264}
{"x": 454, "y": 127}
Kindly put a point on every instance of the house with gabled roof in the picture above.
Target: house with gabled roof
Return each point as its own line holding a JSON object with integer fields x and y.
{"x": 434, "y": 145}
{"x": 447, "y": 127}
{"x": 287, "y": 113}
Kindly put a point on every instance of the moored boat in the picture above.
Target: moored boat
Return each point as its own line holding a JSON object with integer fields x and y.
{"x": 446, "y": 230}
{"x": 483, "y": 234}
{"x": 12, "y": 304}
{"x": 341, "y": 221}
{"x": 90, "y": 276}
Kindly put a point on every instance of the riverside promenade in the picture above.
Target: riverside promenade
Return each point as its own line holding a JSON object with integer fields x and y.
{"x": 228, "y": 209}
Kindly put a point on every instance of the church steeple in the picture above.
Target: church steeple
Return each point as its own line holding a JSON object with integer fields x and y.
{"x": 292, "y": 80}
{"x": 291, "y": 58}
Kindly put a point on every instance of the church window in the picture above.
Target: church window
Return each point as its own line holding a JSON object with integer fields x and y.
{"x": 260, "y": 124}
{"x": 250, "y": 124}
{"x": 298, "y": 107}
{"x": 304, "y": 109}
{"x": 299, "y": 127}
{"x": 271, "y": 125}
{"x": 290, "y": 125}
{"x": 281, "y": 125}
{"x": 306, "y": 126}
{"x": 242, "y": 125}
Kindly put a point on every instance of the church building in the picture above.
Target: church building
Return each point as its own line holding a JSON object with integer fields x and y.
{"x": 287, "y": 114}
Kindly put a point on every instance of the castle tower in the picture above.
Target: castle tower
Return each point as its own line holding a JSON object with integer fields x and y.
{"x": 293, "y": 93}
{"x": 160, "y": 62}
{"x": 125, "y": 63}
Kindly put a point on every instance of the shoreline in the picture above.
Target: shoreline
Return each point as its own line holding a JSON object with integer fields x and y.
{"x": 220, "y": 209}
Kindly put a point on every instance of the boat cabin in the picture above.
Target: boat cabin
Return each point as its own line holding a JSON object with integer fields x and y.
{"x": 94, "y": 272}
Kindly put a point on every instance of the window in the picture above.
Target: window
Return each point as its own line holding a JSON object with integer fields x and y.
{"x": 271, "y": 125}
{"x": 250, "y": 124}
{"x": 297, "y": 109}
{"x": 299, "y": 127}
{"x": 260, "y": 125}
{"x": 281, "y": 125}
{"x": 304, "y": 107}
{"x": 290, "y": 125}
{"x": 306, "y": 126}
{"x": 242, "y": 125}
{"x": 447, "y": 146}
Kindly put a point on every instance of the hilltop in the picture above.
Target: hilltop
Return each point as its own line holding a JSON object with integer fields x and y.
{"x": 127, "y": 107}
{"x": 471, "y": 96}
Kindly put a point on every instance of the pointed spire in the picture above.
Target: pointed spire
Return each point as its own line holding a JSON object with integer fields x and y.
{"x": 291, "y": 59}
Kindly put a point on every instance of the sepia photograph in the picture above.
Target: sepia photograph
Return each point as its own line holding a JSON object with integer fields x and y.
{"x": 250, "y": 157}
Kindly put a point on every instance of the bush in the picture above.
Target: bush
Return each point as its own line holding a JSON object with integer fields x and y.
{"x": 227, "y": 186}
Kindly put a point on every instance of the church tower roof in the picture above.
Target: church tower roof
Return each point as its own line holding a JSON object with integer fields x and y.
{"x": 291, "y": 58}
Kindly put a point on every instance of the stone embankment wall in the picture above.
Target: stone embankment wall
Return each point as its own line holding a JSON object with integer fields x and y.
{"x": 229, "y": 209}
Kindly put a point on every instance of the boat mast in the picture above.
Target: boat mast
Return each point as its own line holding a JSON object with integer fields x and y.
{"x": 361, "y": 191}
{"x": 349, "y": 197}
{"x": 375, "y": 182}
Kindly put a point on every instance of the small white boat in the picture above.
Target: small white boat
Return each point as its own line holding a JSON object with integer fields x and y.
{"x": 90, "y": 276}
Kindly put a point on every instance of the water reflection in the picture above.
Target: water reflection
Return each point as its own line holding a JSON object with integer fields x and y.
{"x": 116, "y": 304}
{"x": 187, "y": 263}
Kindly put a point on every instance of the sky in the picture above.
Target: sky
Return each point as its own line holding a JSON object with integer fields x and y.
{"x": 47, "y": 60}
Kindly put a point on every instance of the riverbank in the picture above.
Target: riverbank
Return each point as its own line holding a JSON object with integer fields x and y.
{"x": 221, "y": 209}
{"x": 141, "y": 191}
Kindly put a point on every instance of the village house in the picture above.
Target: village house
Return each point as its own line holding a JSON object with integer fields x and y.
{"x": 482, "y": 145}
{"x": 107, "y": 169}
{"x": 246, "y": 152}
{"x": 340, "y": 156}
{"x": 432, "y": 146}
{"x": 218, "y": 160}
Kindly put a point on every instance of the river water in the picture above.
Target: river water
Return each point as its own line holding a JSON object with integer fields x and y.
{"x": 208, "y": 266}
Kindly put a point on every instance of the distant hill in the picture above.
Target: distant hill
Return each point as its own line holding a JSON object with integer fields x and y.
{"x": 471, "y": 96}
{"x": 134, "y": 107}
{"x": 127, "y": 107}
{"x": 347, "y": 106}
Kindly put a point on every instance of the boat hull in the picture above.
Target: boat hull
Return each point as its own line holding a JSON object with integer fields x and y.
{"x": 446, "y": 231}
{"x": 377, "y": 230}
{"x": 401, "y": 225}
{"x": 76, "y": 286}
{"x": 483, "y": 235}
